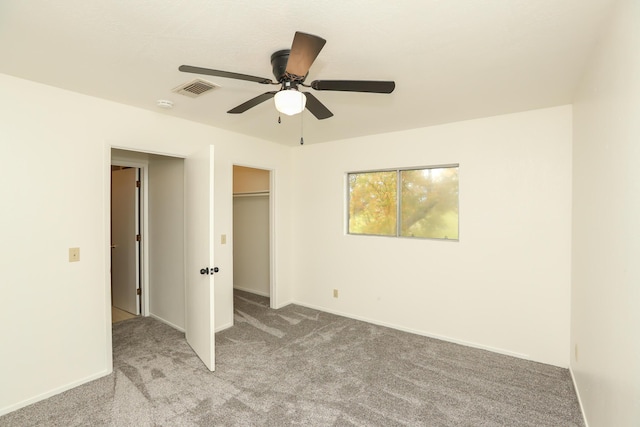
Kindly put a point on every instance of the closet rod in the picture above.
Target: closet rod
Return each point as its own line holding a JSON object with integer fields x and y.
{"x": 251, "y": 194}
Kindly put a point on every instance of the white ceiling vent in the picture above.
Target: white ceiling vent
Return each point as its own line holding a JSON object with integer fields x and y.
{"x": 195, "y": 88}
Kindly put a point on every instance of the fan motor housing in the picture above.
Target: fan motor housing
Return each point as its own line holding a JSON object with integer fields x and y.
{"x": 279, "y": 61}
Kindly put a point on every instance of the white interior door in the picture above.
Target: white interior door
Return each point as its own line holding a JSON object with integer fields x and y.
{"x": 124, "y": 246}
{"x": 199, "y": 299}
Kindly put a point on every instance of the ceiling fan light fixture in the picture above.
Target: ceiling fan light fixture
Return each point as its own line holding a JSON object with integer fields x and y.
{"x": 290, "y": 68}
{"x": 290, "y": 101}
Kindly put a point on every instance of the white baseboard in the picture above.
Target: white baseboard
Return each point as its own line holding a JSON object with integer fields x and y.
{"x": 417, "y": 332}
{"x": 575, "y": 386}
{"x": 176, "y": 327}
{"x": 166, "y": 322}
{"x": 58, "y": 390}
{"x": 223, "y": 327}
{"x": 253, "y": 291}
{"x": 284, "y": 304}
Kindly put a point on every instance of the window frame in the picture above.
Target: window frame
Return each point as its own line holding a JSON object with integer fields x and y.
{"x": 398, "y": 171}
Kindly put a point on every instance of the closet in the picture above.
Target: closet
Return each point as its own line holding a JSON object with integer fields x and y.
{"x": 251, "y": 240}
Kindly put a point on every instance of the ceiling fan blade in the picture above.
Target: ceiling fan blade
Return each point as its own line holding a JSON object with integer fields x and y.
{"x": 373, "y": 86}
{"x": 226, "y": 74}
{"x": 316, "y": 107}
{"x": 252, "y": 103}
{"x": 304, "y": 50}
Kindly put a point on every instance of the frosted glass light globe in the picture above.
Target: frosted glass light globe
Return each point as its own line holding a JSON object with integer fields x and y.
{"x": 290, "y": 102}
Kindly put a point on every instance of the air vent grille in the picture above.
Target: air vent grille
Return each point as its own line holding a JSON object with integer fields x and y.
{"x": 195, "y": 88}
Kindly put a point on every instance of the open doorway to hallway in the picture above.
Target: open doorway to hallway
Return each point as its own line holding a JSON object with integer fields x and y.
{"x": 251, "y": 230}
{"x": 162, "y": 235}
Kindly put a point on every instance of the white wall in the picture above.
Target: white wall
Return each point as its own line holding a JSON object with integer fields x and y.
{"x": 166, "y": 234}
{"x": 605, "y": 320}
{"x": 503, "y": 286}
{"x": 251, "y": 244}
{"x": 55, "y": 146}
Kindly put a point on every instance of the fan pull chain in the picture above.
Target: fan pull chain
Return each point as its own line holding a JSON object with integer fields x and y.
{"x": 279, "y": 121}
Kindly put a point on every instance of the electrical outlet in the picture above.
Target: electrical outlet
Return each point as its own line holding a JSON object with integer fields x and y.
{"x": 335, "y": 293}
{"x": 74, "y": 254}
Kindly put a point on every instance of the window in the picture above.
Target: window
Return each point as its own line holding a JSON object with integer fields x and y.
{"x": 419, "y": 202}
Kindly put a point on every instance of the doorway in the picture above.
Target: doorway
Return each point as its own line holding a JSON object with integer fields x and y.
{"x": 162, "y": 225}
{"x": 252, "y": 230}
{"x": 177, "y": 220}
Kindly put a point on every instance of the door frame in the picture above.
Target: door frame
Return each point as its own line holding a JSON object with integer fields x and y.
{"x": 144, "y": 225}
{"x": 273, "y": 288}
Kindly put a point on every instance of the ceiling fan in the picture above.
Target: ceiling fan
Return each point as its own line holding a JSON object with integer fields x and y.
{"x": 290, "y": 68}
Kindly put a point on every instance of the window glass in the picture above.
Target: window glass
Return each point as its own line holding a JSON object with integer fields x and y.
{"x": 429, "y": 203}
{"x": 373, "y": 203}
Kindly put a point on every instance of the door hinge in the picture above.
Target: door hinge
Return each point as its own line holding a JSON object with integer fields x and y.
{"x": 138, "y": 291}
{"x": 138, "y": 237}
{"x": 138, "y": 184}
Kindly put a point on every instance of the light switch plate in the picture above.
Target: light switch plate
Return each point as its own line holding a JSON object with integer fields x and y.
{"x": 223, "y": 239}
{"x": 74, "y": 254}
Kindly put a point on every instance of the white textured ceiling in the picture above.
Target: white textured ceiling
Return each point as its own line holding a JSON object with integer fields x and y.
{"x": 451, "y": 59}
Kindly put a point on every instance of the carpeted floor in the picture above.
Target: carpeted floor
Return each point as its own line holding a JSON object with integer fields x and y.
{"x": 297, "y": 366}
